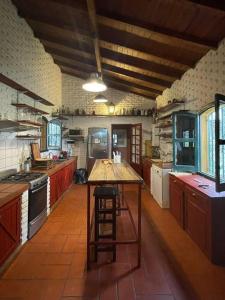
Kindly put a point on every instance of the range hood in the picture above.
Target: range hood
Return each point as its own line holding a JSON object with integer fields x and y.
{"x": 13, "y": 126}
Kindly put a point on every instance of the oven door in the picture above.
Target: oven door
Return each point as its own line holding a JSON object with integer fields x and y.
{"x": 37, "y": 201}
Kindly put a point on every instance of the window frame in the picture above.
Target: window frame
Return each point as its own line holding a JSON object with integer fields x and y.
{"x": 45, "y": 120}
{"x": 218, "y": 142}
{"x": 195, "y": 140}
{"x": 54, "y": 147}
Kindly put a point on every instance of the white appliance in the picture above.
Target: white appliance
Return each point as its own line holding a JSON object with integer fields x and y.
{"x": 160, "y": 185}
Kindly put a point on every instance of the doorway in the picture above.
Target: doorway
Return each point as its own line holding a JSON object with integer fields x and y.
{"x": 127, "y": 139}
{"x": 121, "y": 141}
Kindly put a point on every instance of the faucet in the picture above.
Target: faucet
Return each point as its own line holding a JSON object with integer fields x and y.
{"x": 50, "y": 155}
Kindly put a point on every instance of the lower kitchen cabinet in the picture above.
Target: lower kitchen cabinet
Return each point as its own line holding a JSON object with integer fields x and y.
{"x": 146, "y": 165}
{"x": 10, "y": 227}
{"x": 176, "y": 188}
{"x": 201, "y": 213}
{"x": 60, "y": 182}
{"x": 197, "y": 219}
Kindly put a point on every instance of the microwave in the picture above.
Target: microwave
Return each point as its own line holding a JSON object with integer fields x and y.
{"x": 74, "y": 132}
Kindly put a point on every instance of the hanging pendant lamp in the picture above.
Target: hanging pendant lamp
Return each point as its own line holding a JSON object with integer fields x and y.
{"x": 94, "y": 84}
{"x": 100, "y": 99}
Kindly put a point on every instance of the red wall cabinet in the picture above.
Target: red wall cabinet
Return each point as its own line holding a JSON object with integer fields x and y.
{"x": 10, "y": 227}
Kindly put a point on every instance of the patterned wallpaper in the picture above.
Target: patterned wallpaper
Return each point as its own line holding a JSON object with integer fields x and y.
{"x": 197, "y": 87}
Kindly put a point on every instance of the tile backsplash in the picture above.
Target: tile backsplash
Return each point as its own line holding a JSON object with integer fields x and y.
{"x": 12, "y": 151}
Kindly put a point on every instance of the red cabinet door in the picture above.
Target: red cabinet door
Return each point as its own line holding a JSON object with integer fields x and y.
{"x": 146, "y": 172}
{"x": 53, "y": 189}
{"x": 177, "y": 199}
{"x": 10, "y": 227}
{"x": 197, "y": 219}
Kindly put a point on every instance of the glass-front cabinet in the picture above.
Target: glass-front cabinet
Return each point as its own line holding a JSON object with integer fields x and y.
{"x": 185, "y": 144}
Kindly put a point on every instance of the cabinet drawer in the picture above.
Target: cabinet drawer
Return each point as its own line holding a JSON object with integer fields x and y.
{"x": 177, "y": 182}
{"x": 197, "y": 199}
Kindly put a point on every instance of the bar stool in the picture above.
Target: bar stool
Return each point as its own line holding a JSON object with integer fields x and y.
{"x": 105, "y": 213}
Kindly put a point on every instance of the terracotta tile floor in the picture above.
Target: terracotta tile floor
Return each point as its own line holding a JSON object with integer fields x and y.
{"x": 52, "y": 265}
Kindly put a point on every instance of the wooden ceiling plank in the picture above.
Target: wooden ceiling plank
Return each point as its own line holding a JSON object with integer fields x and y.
{"x": 218, "y": 5}
{"x": 156, "y": 88}
{"x": 112, "y": 84}
{"x": 143, "y": 55}
{"x": 94, "y": 26}
{"x": 86, "y": 68}
{"x": 162, "y": 36}
{"x": 40, "y": 27}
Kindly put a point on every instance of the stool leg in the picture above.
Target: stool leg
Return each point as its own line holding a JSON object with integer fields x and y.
{"x": 96, "y": 228}
{"x": 114, "y": 227}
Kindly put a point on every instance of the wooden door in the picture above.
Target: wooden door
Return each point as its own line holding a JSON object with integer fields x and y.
{"x": 121, "y": 140}
{"x": 9, "y": 228}
{"x": 53, "y": 189}
{"x": 136, "y": 147}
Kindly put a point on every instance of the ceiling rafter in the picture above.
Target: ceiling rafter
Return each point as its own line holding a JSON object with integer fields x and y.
{"x": 141, "y": 83}
{"x": 130, "y": 62}
{"x": 94, "y": 28}
{"x": 40, "y": 26}
{"x": 110, "y": 82}
{"x": 213, "y": 4}
{"x": 109, "y": 65}
{"x": 161, "y": 35}
{"x": 88, "y": 69}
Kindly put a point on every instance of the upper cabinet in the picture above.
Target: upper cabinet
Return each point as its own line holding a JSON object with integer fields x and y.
{"x": 185, "y": 143}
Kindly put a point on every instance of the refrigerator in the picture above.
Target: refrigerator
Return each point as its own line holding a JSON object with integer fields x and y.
{"x": 97, "y": 145}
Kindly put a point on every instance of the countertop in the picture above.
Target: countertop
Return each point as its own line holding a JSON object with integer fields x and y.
{"x": 58, "y": 166}
{"x": 9, "y": 191}
{"x": 194, "y": 180}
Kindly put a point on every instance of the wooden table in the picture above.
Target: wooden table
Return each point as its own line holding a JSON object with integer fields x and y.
{"x": 111, "y": 173}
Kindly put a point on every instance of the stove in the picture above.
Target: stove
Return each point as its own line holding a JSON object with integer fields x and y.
{"x": 33, "y": 178}
{"x": 37, "y": 196}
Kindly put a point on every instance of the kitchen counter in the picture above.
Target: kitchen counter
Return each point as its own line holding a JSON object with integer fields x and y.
{"x": 194, "y": 180}
{"x": 9, "y": 191}
{"x": 57, "y": 167}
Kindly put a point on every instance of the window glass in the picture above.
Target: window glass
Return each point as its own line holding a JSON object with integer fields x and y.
{"x": 185, "y": 126}
{"x": 54, "y": 135}
{"x": 207, "y": 142}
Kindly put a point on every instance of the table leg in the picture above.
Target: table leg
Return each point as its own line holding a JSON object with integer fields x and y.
{"x": 139, "y": 225}
{"x": 88, "y": 226}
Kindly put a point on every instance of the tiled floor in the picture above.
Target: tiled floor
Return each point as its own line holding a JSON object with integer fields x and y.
{"x": 52, "y": 264}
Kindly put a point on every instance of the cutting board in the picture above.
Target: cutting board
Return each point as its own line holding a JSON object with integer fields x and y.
{"x": 35, "y": 151}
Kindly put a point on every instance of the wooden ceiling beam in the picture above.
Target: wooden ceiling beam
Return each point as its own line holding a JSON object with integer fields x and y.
{"x": 218, "y": 5}
{"x": 43, "y": 26}
{"x": 94, "y": 27}
{"x": 160, "y": 35}
{"x": 108, "y": 65}
{"x": 88, "y": 69}
{"x": 131, "y": 63}
{"x": 110, "y": 82}
{"x": 153, "y": 87}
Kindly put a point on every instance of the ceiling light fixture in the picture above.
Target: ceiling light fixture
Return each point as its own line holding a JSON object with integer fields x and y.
{"x": 100, "y": 99}
{"x": 94, "y": 84}
{"x": 111, "y": 108}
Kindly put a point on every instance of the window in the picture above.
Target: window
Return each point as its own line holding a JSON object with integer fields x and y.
{"x": 54, "y": 135}
{"x": 184, "y": 141}
{"x": 207, "y": 142}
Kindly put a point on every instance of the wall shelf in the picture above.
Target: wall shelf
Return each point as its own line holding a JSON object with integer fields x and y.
{"x": 62, "y": 117}
{"x": 30, "y": 123}
{"x": 170, "y": 106}
{"x": 13, "y": 84}
{"x": 29, "y": 108}
{"x": 28, "y": 137}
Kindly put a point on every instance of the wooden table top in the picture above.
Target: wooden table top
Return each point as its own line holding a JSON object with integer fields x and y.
{"x": 105, "y": 171}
